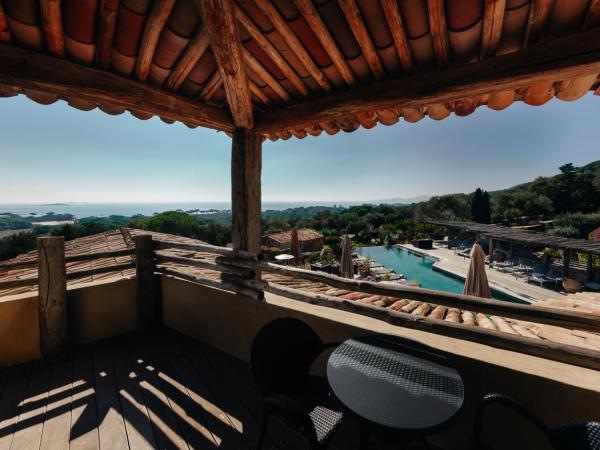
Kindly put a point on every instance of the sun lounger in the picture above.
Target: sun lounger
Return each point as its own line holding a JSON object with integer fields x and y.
{"x": 541, "y": 279}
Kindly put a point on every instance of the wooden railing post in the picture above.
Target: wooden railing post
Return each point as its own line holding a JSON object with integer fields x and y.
{"x": 246, "y": 167}
{"x": 148, "y": 306}
{"x": 52, "y": 295}
{"x": 566, "y": 262}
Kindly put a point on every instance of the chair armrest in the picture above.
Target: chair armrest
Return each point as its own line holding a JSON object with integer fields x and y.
{"x": 509, "y": 403}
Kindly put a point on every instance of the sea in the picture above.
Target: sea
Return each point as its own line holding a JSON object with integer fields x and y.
{"x": 81, "y": 210}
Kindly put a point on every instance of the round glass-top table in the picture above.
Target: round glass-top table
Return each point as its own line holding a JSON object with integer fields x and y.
{"x": 395, "y": 384}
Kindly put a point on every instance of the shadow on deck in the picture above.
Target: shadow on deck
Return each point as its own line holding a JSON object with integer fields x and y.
{"x": 159, "y": 390}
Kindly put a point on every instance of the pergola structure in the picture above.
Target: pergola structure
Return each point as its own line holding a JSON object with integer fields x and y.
{"x": 274, "y": 69}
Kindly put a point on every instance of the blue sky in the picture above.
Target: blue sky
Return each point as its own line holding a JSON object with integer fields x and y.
{"x": 59, "y": 154}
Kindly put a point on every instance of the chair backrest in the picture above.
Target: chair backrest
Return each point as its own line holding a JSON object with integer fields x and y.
{"x": 281, "y": 355}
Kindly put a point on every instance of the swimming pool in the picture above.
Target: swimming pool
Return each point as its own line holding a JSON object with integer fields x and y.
{"x": 420, "y": 268}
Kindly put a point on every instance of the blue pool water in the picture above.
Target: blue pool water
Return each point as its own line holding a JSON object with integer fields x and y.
{"x": 419, "y": 268}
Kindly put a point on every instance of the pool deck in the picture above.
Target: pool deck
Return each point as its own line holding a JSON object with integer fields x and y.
{"x": 456, "y": 265}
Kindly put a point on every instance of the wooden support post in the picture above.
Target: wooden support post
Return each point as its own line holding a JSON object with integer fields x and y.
{"x": 148, "y": 306}
{"x": 589, "y": 274}
{"x": 491, "y": 251}
{"x": 450, "y": 235}
{"x": 52, "y": 294}
{"x": 566, "y": 262}
{"x": 246, "y": 167}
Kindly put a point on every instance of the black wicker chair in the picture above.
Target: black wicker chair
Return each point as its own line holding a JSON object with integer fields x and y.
{"x": 281, "y": 356}
{"x": 575, "y": 436}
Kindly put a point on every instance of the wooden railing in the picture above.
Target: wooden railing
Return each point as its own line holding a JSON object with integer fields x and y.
{"x": 237, "y": 275}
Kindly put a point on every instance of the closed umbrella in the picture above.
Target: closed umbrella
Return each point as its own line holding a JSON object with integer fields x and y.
{"x": 346, "y": 266}
{"x": 295, "y": 244}
{"x": 477, "y": 282}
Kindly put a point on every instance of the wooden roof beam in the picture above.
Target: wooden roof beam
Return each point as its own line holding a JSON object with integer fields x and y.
{"x": 263, "y": 73}
{"x": 286, "y": 32}
{"x": 439, "y": 31}
{"x": 211, "y": 87}
{"x": 50, "y": 11}
{"x": 539, "y": 12}
{"x": 271, "y": 51}
{"x": 396, "y": 24}
{"x": 359, "y": 29}
{"x": 192, "y": 54}
{"x": 592, "y": 17}
{"x": 106, "y": 30}
{"x": 24, "y": 69}
{"x": 559, "y": 59}
{"x": 161, "y": 10}
{"x": 493, "y": 19}
{"x": 310, "y": 13}
{"x": 219, "y": 20}
{"x": 4, "y": 31}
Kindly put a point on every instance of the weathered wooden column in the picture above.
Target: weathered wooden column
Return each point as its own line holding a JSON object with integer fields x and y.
{"x": 52, "y": 295}
{"x": 148, "y": 306}
{"x": 589, "y": 274}
{"x": 491, "y": 250}
{"x": 566, "y": 262}
{"x": 246, "y": 168}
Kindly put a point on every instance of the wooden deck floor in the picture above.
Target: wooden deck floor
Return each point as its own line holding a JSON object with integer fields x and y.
{"x": 138, "y": 391}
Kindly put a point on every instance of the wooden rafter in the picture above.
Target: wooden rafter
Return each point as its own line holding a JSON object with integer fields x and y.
{"x": 592, "y": 17}
{"x": 4, "y": 31}
{"x": 192, "y": 54}
{"x": 271, "y": 51}
{"x": 439, "y": 30}
{"x": 539, "y": 12}
{"x": 106, "y": 30}
{"x": 259, "y": 94}
{"x": 211, "y": 87}
{"x": 50, "y": 11}
{"x": 396, "y": 24}
{"x": 359, "y": 29}
{"x": 24, "y": 69}
{"x": 294, "y": 43}
{"x": 161, "y": 10}
{"x": 266, "y": 76}
{"x": 493, "y": 19}
{"x": 559, "y": 59}
{"x": 310, "y": 13}
{"x": 221, "y": 26}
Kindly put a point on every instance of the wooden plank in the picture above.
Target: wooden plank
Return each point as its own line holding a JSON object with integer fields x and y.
{"x": 559, "y": 59}
{"x": 539, "y": 13}
{"x": 359, "y": 29}
{"x": 271, "y": 51}
{"x": 396, "y": 24}
{"x": 50, "y": 12}
{"x": 4, "y": 30}
{"x": 164, "y": 422}
{"x": 493, "y": 19}
{"x": 161, "y": 10}
{"x": 192, "y": 54}
{"x": 148, "y": 302}
{"x": 24, "y": 69}
{"x": 246, "y": 167}
{"x": 57, "y": 423}
{"x": 192, "y": 418}
{"x": 52, "y": 293}
{"x": 140, "y": 434}
{"x": 111, "y": 427}
{"x": 28, "y": 429}
{"x": 550, "y": 316}
{"x": 107, "y": 19}
{"x": 569, "y": 354}
{"x": 269, "y": 10}
{"x": 310, "y": 13}
{"x": 15, "y": 387}
{"x": 204, "y": 264}
{"x": 84, "y": 425}
{"x": 439, "y": 31}
{"x": 219, "y": 20}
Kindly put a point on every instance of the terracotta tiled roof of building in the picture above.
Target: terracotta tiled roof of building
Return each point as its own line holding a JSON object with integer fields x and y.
{"x": 304, "y": 234}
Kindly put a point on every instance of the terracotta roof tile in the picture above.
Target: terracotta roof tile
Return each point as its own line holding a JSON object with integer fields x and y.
{"x": 79, "y": 19}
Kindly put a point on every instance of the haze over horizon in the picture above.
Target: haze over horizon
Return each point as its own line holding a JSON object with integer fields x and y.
{"x": 93, "y": 157}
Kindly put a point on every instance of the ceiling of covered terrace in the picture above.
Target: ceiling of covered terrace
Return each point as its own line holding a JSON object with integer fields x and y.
{"x": 307, "y": 66}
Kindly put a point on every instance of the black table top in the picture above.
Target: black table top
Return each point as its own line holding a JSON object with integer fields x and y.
{"x": 395, "y": 383}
